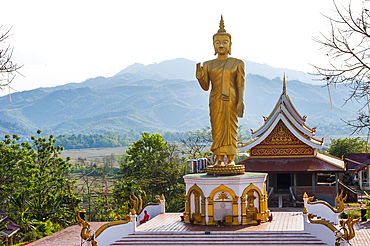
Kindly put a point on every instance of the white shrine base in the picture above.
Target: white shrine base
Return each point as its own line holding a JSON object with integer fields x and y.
{"x": 210, "y": 199}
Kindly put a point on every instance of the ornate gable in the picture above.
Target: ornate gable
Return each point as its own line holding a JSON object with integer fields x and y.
{"x": 281, "y": 142}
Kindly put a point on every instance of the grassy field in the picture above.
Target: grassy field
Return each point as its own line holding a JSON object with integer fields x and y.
{"x": 92, "y": 154}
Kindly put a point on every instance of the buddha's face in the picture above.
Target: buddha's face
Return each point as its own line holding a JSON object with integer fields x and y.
{"x": 222, "y": 44}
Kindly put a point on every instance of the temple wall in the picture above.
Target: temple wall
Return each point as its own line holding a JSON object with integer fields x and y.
{"x": 319, "y": 191}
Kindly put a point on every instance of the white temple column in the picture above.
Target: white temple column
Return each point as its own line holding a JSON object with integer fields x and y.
{"x": 163, "y": 204}
{"x": 206, "y": 211}
{"x": 133, "y": 220}
{"x": 240, "y": 211}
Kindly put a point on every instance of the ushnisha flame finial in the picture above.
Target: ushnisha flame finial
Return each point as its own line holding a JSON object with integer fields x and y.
{"x": 222, "y": 30}
{"x": 222, "y": 27}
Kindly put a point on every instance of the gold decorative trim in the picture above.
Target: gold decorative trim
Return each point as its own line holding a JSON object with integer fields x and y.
{"x": 329, "y": 162}
{"x": 270, "y": 115}
{"x": 283, "y": 151}
{"x": 262, "y": 202}
{"x": 281, "y": 156}
{"x": 334, "y": 157}
{"x": 234, "y": 203}
{"x": 223, "y": 196}
{"x": 233, "y": 170}
{"x": 339, "y": 203}
{"x": 280, "y": 102}
{"x": 86, "y": 233}
{"x": 322, "y": 222}
{"x": 349, "y": 231}
{"x": 110, "y": 224}
{"x": 188, "y": 213}
{"x": 138, "y": 202}
{"x": 222, "y": 188}
{"x": 275, "y": 146}
{"x": 303, "y": 136}
{"x": 291, "y": 104}
{"x": 312, "y": 140}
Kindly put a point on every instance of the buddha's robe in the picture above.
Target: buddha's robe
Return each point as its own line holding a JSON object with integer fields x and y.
{"x": 226, "y": 76}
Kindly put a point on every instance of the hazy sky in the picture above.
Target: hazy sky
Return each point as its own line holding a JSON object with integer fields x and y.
{"x": 70, "y": 41}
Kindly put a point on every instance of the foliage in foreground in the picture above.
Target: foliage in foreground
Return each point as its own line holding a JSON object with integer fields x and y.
{"x": 367, "y": 205}
{"x": 151, "y": 168}
{"x": 33, "y": 183}
{"x": 341, "y": 147}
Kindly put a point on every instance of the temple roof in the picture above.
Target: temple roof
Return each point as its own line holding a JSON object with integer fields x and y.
{"x": 320, "y": 163}
{"x": 284, "y": 104}
{"x": 285, "y": 144}
{"x": 285, "y": 111}
{"x": 11, "y": 226}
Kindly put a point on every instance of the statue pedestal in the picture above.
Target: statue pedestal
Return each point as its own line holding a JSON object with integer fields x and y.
{"x": 234, "y": 200}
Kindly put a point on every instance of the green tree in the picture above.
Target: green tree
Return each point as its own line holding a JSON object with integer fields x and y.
{"x": 11, "y": 153}
{"x": 35, "y": 182}
{"x": 341, "y": 147}
{"x": 149, "y": 165}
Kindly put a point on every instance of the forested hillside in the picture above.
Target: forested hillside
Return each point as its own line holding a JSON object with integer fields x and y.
{"x": 145, "y": 101}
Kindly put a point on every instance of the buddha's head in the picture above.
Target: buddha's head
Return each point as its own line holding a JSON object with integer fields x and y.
{"x": 222, "y": 40}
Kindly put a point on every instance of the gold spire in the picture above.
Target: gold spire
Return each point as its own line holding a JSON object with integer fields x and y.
{"x": 222, "y": 30}
{"x": 284, "y": 85}
{"x": 222, "y": 25}
{"x": 305, "y": 195}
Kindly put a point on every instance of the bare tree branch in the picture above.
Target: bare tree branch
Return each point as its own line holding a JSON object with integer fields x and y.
{"x": 347, "y": 46}
{"x": 8, "y": 69}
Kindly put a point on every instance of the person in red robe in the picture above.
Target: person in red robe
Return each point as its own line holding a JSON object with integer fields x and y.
{"x": 146, "y": 217}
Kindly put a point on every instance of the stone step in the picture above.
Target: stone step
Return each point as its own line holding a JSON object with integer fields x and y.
{"x": 219, "y": 238}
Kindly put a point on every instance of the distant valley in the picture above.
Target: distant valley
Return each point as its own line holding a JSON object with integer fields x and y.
{"x": 165, "y": 97}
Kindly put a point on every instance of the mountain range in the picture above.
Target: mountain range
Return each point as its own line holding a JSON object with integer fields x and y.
{"x": 166, "y": 97}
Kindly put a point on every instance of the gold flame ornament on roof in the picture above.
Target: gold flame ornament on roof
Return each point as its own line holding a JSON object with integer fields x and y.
{"x": 284, "y": 86}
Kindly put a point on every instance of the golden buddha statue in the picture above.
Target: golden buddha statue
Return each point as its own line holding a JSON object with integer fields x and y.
{"x": 226, "y": 100}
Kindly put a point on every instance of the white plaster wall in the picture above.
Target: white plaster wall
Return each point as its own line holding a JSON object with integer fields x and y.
{"x": 114, "y": 233}
{"x": 236, "y": 183}
{"x": 324, "y": 212}
{"x": 152, "y": 210}
{"x": 320, "y": 231}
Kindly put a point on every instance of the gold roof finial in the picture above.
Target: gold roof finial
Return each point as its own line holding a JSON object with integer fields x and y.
{"x": 305, "y": 195}
{"x": 284, "y": 85}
